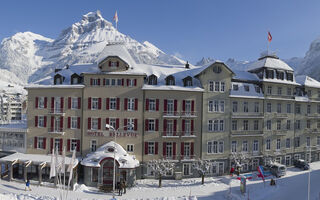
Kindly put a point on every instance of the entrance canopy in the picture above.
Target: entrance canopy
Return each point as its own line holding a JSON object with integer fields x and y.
{"x": 108, "y": 150}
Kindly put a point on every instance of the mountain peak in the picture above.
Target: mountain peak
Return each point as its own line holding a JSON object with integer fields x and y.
{"x": 93, "y": 16}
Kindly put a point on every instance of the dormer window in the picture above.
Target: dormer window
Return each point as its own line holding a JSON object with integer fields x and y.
{"x": 246, "y": 88}
{"x": 269, "y": 74}
{"x": 187, "y": 82}
{"x": 170, "y": 80}
{"x": 257, "y": 89}
{"x": 235, "y": 87}
{"x": 75, "y": 79}
{"x": 152, "y": 80}
{"x": 289, "y": 76}
{"x": 58, "y": 79}
{"x": 113, "y": 63}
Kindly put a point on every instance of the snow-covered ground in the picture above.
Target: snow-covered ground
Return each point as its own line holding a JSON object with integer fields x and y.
{"x": 293, "y": 186}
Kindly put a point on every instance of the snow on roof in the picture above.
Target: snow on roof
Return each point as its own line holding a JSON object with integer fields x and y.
{"x": 17, "y": 125}
{"x": 172, "y": 87}
{"x": 246, "y": 90}
{"x": 105, "y": 151}
{"x": 307, "y": 81}
{"x": 34, "y": 86}
{"x": 244, "y": 75}
{"x": 270, "y": 62}
{"x": 34, "y": 158}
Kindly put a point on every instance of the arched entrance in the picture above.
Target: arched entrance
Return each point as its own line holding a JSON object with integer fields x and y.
{"x": 107, "y": 171}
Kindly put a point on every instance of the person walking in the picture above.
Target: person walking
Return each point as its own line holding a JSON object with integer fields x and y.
{"x": 124, "y": 186}
{"x": 27, "y": 185}
{"x": 119, "y": 188}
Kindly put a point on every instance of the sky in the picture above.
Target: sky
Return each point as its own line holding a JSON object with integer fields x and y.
{"x": 189, "y": 29}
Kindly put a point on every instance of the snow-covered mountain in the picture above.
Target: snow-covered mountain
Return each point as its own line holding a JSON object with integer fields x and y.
{"x": 30, "y": 56}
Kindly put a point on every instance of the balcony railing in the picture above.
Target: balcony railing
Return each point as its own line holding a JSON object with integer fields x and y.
{"x": 170, "y": 157}
{"x": 280, "y": 115}
{"x": 56, "y": 131}
{"x": 187, "y": 134}
{"x": 280, "y": 132}
{"x": 188, "y": 114}
{"x": 311, "y": 130}
{"x": 247, "y": 133}
{"x": 173, "y": 114}
{"x": 56, "y": 111}
{"x": 187, "y": 157}
{"x": 240, "y": 115}
{"x": 173, "y": 134}
{"x": 313, "y": 115}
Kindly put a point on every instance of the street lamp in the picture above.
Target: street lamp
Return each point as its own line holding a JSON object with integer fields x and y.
{"x": 114, "y": 152}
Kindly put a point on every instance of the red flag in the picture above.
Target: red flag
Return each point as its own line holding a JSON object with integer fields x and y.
{"x": 269, "y": 36}
{"x": 115, "y": 18}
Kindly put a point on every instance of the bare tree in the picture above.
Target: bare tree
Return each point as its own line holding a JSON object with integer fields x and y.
{"x": 202, "y": 167}
{"x": 160, "y": 168}
{"x": 239, "y": 158}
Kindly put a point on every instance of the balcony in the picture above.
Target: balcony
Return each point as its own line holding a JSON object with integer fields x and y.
{"x": 188, "y": 114}
{"x": 313, "y": 115}
{"x": 169, "y": 134}
{"x": 58, "y": 131}
{"x": 170, "y": 157}
{"x": 56, "y": 111}
{"x": 242, "y": 133}
{"x": 246, "y": 115}
{"x": 280, "y": 115}
{"x": 188, "y": 134}
{"x": 280, "y": 132}
{"x": 187, "y": 157}
{"x": 311, "y": 131}
{"x": 171, "y": 114}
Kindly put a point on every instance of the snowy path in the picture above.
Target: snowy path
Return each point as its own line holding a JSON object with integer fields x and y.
{"x": 293, "y": 186}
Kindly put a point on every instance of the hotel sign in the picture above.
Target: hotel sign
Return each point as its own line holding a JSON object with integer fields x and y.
{"x": 111, "y": 134}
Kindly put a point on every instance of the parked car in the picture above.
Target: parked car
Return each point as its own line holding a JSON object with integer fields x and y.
{"x": 277, "y": 169}
{"x": 302, "y": 164}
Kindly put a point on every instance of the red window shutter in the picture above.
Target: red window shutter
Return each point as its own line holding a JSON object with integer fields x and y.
{"x": 109, "y": 63}
{"x": 182, "y": 150}
{"x": 45, "y": 121}
{"x": 164, "y": 149}
{"x": 126, "y": 104}
{"x": 98, "y": 81}
{"x": 175, "y": 125}
{"x": 164, "y": 125}
{"x": 117, "y": 63}
{"x": 107, "y": 122}
{"x": 192, "y": 106}
{"x": 52, "y": 103}
{"x": 122, "y": 81}
{"x": 69, "y": 122}
{"x": 68, "y": 145}
{"x": 89, "y": 103}
{"x": 127, "y": 82}
{"x": 135, "y": 124}
{"x": 192, "y": 127}
{"x": 156, "y": 148}
{"x": 35, "y": 142}
{"x": 104, "y": 81}
{"x": 99, "y": 123}
{"x": 51, "y": 145}
{"x": 157, "y": 124}
{"x": 79, "y": 102}
{"x": 117, "y": 123}
{"x": 78, "y": 145}
{"x": 125, "y": 122}
{"x": 183, "y": 124}
{"x": 107, "y": 103}
{"x": 136, "y": 104}
{"x": 91, "y": 81}
{"x": 192, "y": 148}
{"x": 157, "y": 104}
{"x": 175, "y": 105}
{"x": 61, "y": 103}
{"x": 37, "y": 102}
{"x": 99, "y": 103}
{"x": 118, "y": 103}
{"x": 78, "y": 123}
{"x": 61, "y": 122}
{"x": 147, "y": 104}
{"x": 89, "y": 123}
{"x": 135, "y": 82}
{"x": 146, "y": 125}
{"x": 165, "y": 104}
{"x": 183, "y": 105}
{"x": 69, "y": 102}
{"x": 44, "y": 143}
{"x": 45, "y": 102}
{"x": 174, "y": 150}
{"x": 52, "y": 122}
{"x": 61, "y": 144}
{"x": 146, "y": 148}
{"x": 36, "y": 121}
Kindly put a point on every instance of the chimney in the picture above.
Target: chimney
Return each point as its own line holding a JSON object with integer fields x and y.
{"x": 56, "y": 70}
{"x": 67, "y": 66}
{"x": 187, "y": 65}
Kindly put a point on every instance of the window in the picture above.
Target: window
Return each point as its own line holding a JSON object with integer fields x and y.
{"x": 235, "y": 106}
{"x": 41, "y": 102}
{"x": 130, "y": 147}
{"x": 186, "y": 169}
{"x": 278, "y": 124}
{"x": 113, "y": 103}
{"x": 318, "y": 109}
{"x": 308, "y": 109}
{"x": 256, "y": 125}
{"x": 221, "y": 146}
{"x": 234, "y": 146}
{"x": 298, "y": 108}
{"x": 268, "y": 144}
{"x": 57, "y": 143}
{"x": 130, "y": 124}
{"x": 245, "y": 107}
{"x": 222, "y": 88}
{"x": 256, "y": 107}
{"x": 74, "y": 103}
{"x": 187, "y": 127}
{"x": 41, "y": 121}
{"x": 288, "y": 143}
{"x": 289, "y": 93}
{"x": 40, "y": 142}
{"x": 170, "y": 80}
{"x": 210, "y": 125}
{"x": 246, "y": 88}
{"x": 278, "y": 145}
{"x": 308, "y": 123}
{"x": 152, "y": 80}
{"x": 308, "y": 141}
{"x": 235, "y": 87}
{"x": 119, "y": 82}
{"x": 113, "y": 82}
{"x": 215, "y": 125}
{"x": 279, "y": 90}
{"x": 94, "y": 174}
{"x": 245, "y": 125}
{"x": 269, "y": 90}
{"x": 297, "y": 142}
{"x": 268, "y": 124}
{"x": 95, "y": 81}
{"x": 221, "y": 125}
{"x": 169, "y": 152}
{"x": 113, "y": 122}
{"x": 107, "y": 82}
{"x": 298, "y": 124}
{"x": 151, "y": 148}
{"x": 279, "y": 108}
{"x": 113, "y": 64}
{"x": 209, "y": 147}
{"x": 94, "y": 103}
{"x": 217, "y": 86}
{"x": 269, "y": 107}
{"x": 152, "y": 104}
{"x": 318, "y": 140}
{"x": 221, "y": 106}
{"x": 318, "y": 124}
{"x": 210, "y": 106}
{"x": 151, "y": 125}
{"x": 93, "y": 145}
{"x": 234, "y": 125}
{"x": 217, "y": 69}
{"x": 216, "y": 106}
{"x": 73, "y": 144}
{"x": 94, "y": 123}
{"x": 131, "y": 104}
{"x": 211, "y": 86}
{"x": 170, "y": 106}
{"x": 130, "y": 82}
{"x": 255, "y": 145}
{"x": 74, "y": 122}
{"x": 288, "y": 108}
{"x": 288, "y": 124}
{"x": 245, "y": 146}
